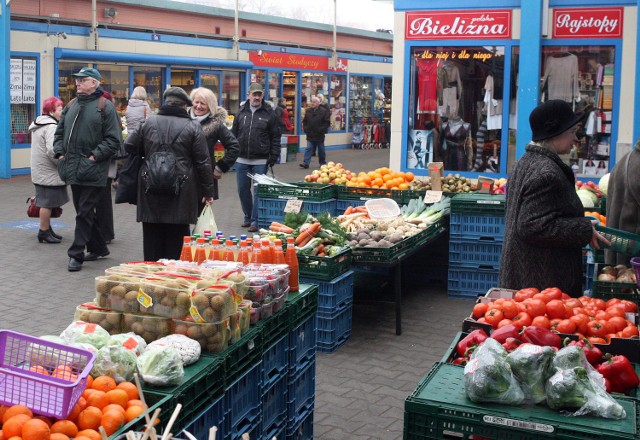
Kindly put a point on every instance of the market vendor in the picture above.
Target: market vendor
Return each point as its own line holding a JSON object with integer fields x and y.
{"x": 545, "y": 226}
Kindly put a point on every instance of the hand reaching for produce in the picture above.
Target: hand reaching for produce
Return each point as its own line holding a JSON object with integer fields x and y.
{"x": 597, "y": 238}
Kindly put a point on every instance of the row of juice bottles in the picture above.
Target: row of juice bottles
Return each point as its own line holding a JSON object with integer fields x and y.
{"x": 244, "y": 250}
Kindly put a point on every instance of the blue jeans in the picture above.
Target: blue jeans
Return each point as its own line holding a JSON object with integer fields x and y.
{"x": 249, "y": 204}
{"x": 310, "y": 146}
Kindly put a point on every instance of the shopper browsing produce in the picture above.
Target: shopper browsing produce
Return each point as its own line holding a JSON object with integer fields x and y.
{"x": 545, "y": 227}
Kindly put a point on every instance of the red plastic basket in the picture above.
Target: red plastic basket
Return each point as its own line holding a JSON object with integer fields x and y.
{"x": 26, "y": 367}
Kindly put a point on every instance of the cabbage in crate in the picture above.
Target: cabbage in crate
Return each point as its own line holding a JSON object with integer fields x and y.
{"x": 116, "y": 362}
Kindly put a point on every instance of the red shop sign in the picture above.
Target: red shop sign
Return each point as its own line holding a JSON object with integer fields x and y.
{"x": 293, "y": 61}
{"x": 476, "y": 25}
{"x": 587, "y": 22}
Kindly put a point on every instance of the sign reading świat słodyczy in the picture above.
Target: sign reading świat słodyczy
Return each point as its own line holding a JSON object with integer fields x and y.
{"x": 457, "y": 25}
{"x": 587, "y": 22}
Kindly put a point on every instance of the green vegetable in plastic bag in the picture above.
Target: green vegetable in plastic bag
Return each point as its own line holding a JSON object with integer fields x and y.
{"x": 80, "y": 331}
{"x": 530, "y": 365}
{"x": 132, "y": 342}
{"x": 161, "y": 365}
{"x": 115, "y": 361}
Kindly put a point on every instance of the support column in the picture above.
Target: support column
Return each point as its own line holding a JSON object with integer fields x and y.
{"x": 528, "y": 69}
{"x": 5, "y": 98}
{"x": 636, "y": 102}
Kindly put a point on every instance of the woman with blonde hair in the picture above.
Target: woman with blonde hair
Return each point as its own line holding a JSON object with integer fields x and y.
{"x": 138, "y": 109}
{"x": 212, "y": 119}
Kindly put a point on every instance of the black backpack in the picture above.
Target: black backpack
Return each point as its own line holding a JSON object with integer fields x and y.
{"x": 160, "y": 174}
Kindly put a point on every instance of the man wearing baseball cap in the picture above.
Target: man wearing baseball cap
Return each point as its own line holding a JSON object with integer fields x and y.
{"x": 258, "y": 132}
{"x": 87, "y": 135}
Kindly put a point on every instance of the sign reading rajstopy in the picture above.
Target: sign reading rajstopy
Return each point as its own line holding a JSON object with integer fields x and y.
{"x": 457, "y": 25}
{"x": 587, "y": 22}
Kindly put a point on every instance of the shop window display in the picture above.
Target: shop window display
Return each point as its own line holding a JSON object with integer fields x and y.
{"x": 456, "y": 108}
{"x": 151, "y": 79}
{"x": 273, "y": 91}
{"x": 583, "y": 76}
{"x": 315, "y": 84}
{"x": 115, "y": 79}
{"x": 337, "y": 103}
{"x": 289, "y": 93}
{"x": 230, "y": 98}
{"x": 66, "y": 83}
{"x": 183, "y": 78}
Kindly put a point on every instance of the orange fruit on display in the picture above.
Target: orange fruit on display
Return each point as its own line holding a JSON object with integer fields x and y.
{"x": 59, "y": 436}
{"x": 86, "y": 393}
{"x": 81, "y": 404}
{"x": 89, "y": 381}
{"x": 66, "y": 427}
{"x": 92, "y": 434}
{"x": 135, "y": 402}
{"x": 130, "y": 388}
{"x": 119, "y": 397}
{"x": 3, "y": 409}
{"x": 39, "y": 369}
{"x": 36, "y": 429}
{"x": 12, "y": 427}
{"x": 14, "y": 411}
{"x": 113, "y": 407}
{"x": 98, "y": 399}
{"x": 112, "y": 421}
{"x": 15, "y": 438}
{"x": 82, "y": 437}
{"x": 133, "y": 412}
{"x": 89, "y": 418}
{"x": 103, "y": 383}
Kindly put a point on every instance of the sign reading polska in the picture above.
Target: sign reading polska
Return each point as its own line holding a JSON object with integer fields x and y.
{"x": 476, "y": 25}
{"x": 587, "y": 22}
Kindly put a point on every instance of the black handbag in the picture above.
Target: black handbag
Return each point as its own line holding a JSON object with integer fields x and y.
{"x": 127, "y": 191}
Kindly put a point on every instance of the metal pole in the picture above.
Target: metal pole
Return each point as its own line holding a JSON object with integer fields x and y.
{"x": 334, "y": 55}
{"x": 93, "y": 39}
{"x": 236, "y": 38}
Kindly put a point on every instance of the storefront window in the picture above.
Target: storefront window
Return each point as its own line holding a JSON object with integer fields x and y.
{"x": 66, "y": 83}
{"x": 456, "y": 108}
{"x": 151, "y": 79}
{"x": 360, "y": 90}
{"x": 289, "y": 90}
{"x": 23, "y": 97}
{"x": 115, "y": 80}
{"x": 274, "y": 87}
{"x": 183, "y": 78}
{"x": 230, "y": 98}
{"x": 314, "y": 84}
{"x": 259, "y": 76}
{"x": 387, "y": 99}
{"x": 337, "y": 103}
{"x": 583, "y": 76}
{"x": 211, "y": 81}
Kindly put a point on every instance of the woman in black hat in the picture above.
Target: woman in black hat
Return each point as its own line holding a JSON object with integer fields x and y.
{"x": 545, "y": 226}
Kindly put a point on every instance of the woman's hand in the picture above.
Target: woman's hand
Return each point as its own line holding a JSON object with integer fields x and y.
{"x": 207, "y": 200}
{"x": 596, "y": 237}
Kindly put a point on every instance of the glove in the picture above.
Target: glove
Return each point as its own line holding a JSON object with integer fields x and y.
{"x": 270, "y": 163}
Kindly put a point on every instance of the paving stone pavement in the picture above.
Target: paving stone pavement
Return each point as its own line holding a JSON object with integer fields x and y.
{"x": 360, "y": 389}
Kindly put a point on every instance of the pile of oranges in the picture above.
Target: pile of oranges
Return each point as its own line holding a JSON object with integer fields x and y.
{"x": 597, "y": 216}
{"x": 383, "y": 178}
{"x": 103, "y": 403}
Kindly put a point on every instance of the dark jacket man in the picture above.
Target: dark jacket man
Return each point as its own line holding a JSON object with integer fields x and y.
{"x": 316, "y": 123}
{"x": 258, "y": 132}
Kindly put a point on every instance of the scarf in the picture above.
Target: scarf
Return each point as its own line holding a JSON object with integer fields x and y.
{"x": 198, "y": 118}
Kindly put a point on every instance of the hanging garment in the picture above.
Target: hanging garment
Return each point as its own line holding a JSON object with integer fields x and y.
{"x": 454, "y": 137}
{"x": 427, "y": 70}
{"x": 561, "y": 78}
{"x": 493, "y": 106}
{"x": 480, "y": 137}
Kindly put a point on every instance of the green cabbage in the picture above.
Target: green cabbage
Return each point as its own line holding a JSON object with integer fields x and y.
{"x": 115, "y": 361}
{"x": 586, "y": 197}
{"x": 603, "y": 184}
{"x": 132, "y": 342}
{"x": 161, "y": 365}
{"x": 80, "y": 331}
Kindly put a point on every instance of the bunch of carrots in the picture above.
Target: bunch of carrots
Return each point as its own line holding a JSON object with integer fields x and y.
{"x": 307, "y": 231}
{"x": 355, "y": 210}
{"x": 279, "y": 227}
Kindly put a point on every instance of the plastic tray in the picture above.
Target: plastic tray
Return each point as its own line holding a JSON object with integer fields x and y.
{"x": 275, "y": 361}
{"x": 301, "y": 428}
{"x": 244, "y": 396}
{"x": 475, "y": 203}
{"x": 325, "y": 268}
{"x": 20, "y": 385}
{"x": 382, "y": 209}
{"x": 316, "y": 192}
{"x": 468, "y": 283}
{"x": 302, "y": 304}
{"x": 621, "y": 241}
{"x": 302, "y": 344}
{"x": 474, "y": 252}
{"x": 439, "y": 408}
{"x": 273, "y": 209}
{"x": 214, "y": 415}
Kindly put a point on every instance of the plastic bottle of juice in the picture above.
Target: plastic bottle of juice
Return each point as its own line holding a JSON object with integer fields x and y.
{"x": 272, "y": 248}
{"x": 208, "y": 247}
{"x": 278, "y": 252}
{"x": 256, "y": 257}
{"x": 265, "y": 252}
{"x": 228, "y": 251}
{"x": 201, "y": 252}
{"x": 186, "y": 254}
{"x": 215, "y": 248}
{"x": 194, "y": 242}
{"x": 243, "y": 255}
{"x": 291, "y": 258}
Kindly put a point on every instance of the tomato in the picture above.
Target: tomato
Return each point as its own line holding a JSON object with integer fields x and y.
{"x": 630, "y": 331}
{"x": 523, "y": 294}
{"x": 553, "y": 292}
{"x": 573, "y": 303}
{"x": 482, "y": 320}
{"x": 617, "y": 310}
{"x": 504, "y": 322}
{"x": 522, "y": 319}
{"x": 540, "y": 321}
{"x": 510, "y": 309}
{"x": 596, "y": 340}
{"x": 602, "y": 315}
{"x": 537, "y": 307}
{"x": 553, "y": 323}
{"x": 493, "y": 317}
{"x": 555, "y": 309}
{"x": 565, "y": 297}
{"x": 597, "y": 328}
{"x": 542, "y": 297}
{"x": 613, "y": 302}
{"x": 581, "y": 320}
{"x": 566, "y": 326}
{"x": 630, "y": 306}
{"x": 618, "y": 323}
{"x": 479, "y": 310}
{"x": 599, "y": 303}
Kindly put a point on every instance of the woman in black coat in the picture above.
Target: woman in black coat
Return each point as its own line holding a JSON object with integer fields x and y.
{"x": 545, "y": 226}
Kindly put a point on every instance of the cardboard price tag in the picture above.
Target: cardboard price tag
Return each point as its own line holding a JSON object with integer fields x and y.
{"x": 293, "y": 205}
{"x": 432, "y": 197}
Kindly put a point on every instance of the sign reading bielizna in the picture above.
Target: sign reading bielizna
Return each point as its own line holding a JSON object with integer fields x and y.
{"x": 587, "y": 22}
{"x": 457, "y": 25}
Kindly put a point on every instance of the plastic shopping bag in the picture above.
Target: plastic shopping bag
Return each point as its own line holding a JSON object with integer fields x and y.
{"x": 205, "y": 221}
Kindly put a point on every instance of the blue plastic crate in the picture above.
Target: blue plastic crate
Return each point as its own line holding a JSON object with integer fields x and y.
{"x": 251, "y": 425}
{"x": 275, "y": 403}
{"x": 334, "y": 327}
{"x": 302, "y": 391}
{"x": 275, "y": 361}
{"x": 302, "y": 343}
{"x": 244, "y": 398}
{"x": 273, "y": 209}
{"x": 477, "y": 226}
{"x": 277, "y": 430}
{"x": 301, "y": 429}
{"x": 334, "y": 292}
{"x": 342, "y": 205}
{"x": 214, "y": 415}
{"x": 475, "y": 251}
{"x": 470, "y": 282}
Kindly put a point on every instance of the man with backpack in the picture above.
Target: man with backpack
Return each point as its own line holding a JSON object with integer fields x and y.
{"x": 175, "y": 170}
{"x": 87, "y": 135}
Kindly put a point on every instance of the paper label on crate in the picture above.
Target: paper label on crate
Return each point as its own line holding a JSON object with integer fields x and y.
{"x": 488, "y": 202}
{"x": 432, "y": 197}
{"x": 144, "y": 299}
{"x": 193, "y": 311}
{"x": 130, "y": 344}
{"x": 293, "y": 205}
{"x": 288, "y": 197}
{"x": 520, "y": 424}
{"x": 90, "y": 328}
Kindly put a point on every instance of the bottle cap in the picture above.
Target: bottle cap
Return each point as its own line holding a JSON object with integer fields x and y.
{"x": 229, "y": 243}
{"x": 278, "y": 242}
{"x": 200, "y": 240}
{"x": 186, "y": 239}
{"x": 243, "y": 237}
{"x": 232, "y": 237}
{"x": 289, "y": 239}
{"x": 243, "y": 243}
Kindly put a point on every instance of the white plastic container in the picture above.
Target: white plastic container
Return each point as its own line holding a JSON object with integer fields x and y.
{"x": 382, "y": 209}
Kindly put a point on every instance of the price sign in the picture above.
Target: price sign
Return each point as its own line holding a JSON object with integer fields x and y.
{"x": 432, "y": 197}
{"x": 293, "y": 205}
{"x": 15, "y": 81}
{"x": 29, "y": 81}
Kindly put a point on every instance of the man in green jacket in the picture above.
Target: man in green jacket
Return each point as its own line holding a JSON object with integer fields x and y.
{"x": 87, "y": 135}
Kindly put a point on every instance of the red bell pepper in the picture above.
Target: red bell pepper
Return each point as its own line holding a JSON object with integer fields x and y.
{"x": 508, "y": 331}
{"x": 511, "y": 344}
{"x": 592, "y": 353}
{"x": 620, "y": 374}
{"x": 460, "y": 361}
{"x": 471, "y": 342}
{"x": 541, "y": 336}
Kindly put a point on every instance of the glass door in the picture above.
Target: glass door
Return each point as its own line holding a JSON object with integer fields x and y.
{"x": 183, "y": 78}
{"x": 151, "y": 79}
{"x": 211, "y": 80}
{"x": 289, "y": 88}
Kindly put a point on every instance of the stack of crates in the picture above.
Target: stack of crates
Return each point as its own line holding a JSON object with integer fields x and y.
{"x": 272, "y": 199}
{"x": 335, "y": 306}
{"x": 475, "y": 243}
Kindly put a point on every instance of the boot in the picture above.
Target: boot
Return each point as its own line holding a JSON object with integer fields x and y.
{"x": 46, "y": 237}
{"x": 59, "y": 237}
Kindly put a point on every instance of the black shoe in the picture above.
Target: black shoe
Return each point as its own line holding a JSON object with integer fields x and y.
{"x": 253, "y": 228}
{"x": 59, "y": 237}
{"x": 74, "y": 265}
{"x": 246, "y": 224}
{"x": 46, "y": 237}
{"x": 93, "y": 256}
{"x": 304, "y": 165}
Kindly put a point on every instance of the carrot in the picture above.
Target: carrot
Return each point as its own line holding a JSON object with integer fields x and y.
{"x": 304, "y": 240}
{"x": 279, "y": 224}
{"x": 308, "y": 233}
{"x": 321, "y": 254}
{"x": 320, "y": 248}
{"x": 349, "y": 210}
{"x": 361, "y": 209}
{"x": 284, "y": 229}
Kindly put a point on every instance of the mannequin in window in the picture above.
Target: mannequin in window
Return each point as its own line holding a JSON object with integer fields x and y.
{"x": 454, "y": 135}
{"x": 561, "y": 77}
{"x": 451, "y": 88}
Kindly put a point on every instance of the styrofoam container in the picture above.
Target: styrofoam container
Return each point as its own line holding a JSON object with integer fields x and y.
{"x": 382, "y": 208}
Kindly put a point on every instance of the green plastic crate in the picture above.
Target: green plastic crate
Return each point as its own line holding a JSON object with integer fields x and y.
{"x": 275, "y": 327}
{"x": 621, "y": 241}
{"x": 357, "y": 193}
{"x": 612, "y": 289}
{"x": 239, "y": 357}
{"x": 439, "y": 408}
{"x": 154, "y": 400}
{"x": 302, "y": 304}
{"x": 325, "y": 268}
{"x": 315, "y": 192}
{"x": 475, "y": 203}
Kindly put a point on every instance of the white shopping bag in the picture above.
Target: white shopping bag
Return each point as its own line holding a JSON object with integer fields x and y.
{"x": 205, "y": 221}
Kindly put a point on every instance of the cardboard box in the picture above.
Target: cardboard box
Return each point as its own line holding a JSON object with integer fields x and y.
{"x": 436, "y": 173}
{"x": 485, "y": 185}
